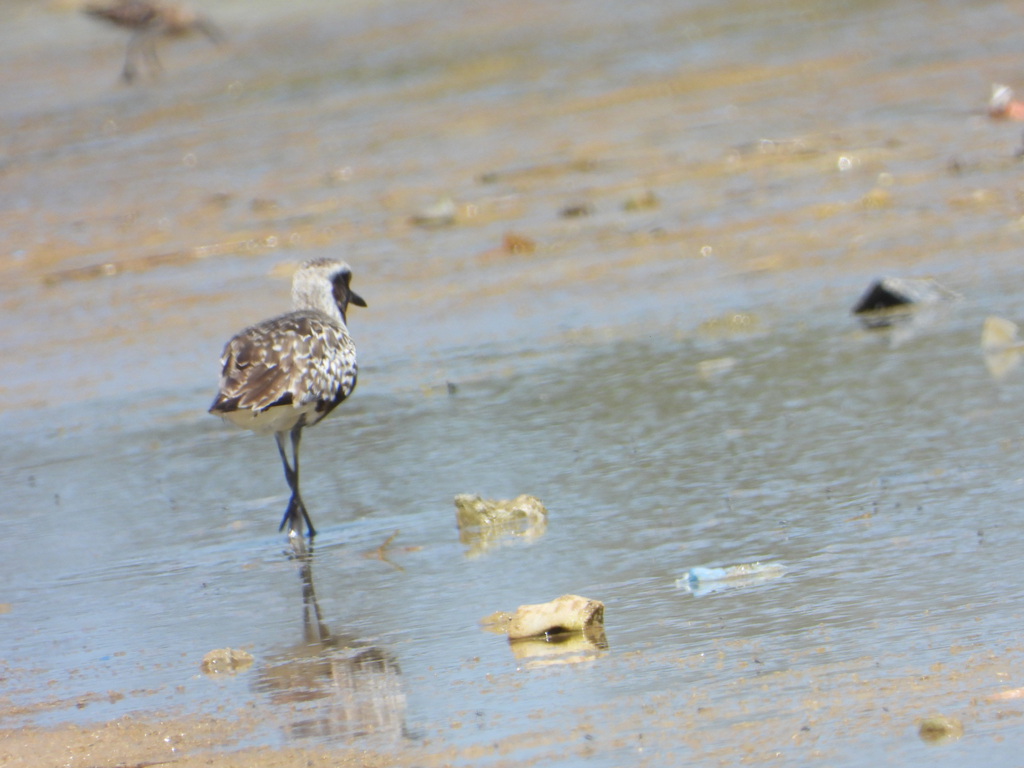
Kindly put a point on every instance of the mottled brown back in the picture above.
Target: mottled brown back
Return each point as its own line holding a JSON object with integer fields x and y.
{"x": 302, "y": 358}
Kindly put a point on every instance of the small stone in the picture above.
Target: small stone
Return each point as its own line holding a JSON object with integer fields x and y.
{"x": 226, "y": 661}
{"x": 939, "y": 729}
{"x": 264, "y": 205}
{"x": 715, "y": 367}
{"x": 877, "y": 198}
{"x": 441, "y": 213}
{"x": 576, "y": 211}
{"x": 641, "y": 201}
{"x": 517, "y": 244}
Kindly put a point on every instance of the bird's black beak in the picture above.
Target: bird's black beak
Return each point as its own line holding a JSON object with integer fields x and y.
{"x": 355, "y": 298}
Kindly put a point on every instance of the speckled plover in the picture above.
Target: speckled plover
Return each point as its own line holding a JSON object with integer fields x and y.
{"x": 289, "y": 372}
{"x": 148, "y": 20}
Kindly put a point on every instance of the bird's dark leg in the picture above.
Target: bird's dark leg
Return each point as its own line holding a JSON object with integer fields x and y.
{"x": 141, "y": 46}
{"x": 289, "y": 473}
{"x": 296, "y": 438}
{"x": 130, "y": 55}
{"x": 291, "y": 514}
{"x": 296, "y": 506}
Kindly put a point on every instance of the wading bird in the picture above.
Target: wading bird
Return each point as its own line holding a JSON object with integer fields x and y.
{"x": 149, "y": 20}
{"x": 291, "y": 371}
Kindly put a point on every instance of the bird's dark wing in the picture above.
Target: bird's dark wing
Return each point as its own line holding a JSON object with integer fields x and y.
{"x": 300, "y": 359}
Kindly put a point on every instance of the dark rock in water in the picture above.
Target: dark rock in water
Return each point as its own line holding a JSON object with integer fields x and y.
{"x": 895, "y": 299}
{"x": 892, "y": 292}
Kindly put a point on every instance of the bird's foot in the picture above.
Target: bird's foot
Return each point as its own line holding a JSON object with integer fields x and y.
{"x": 294, "y": 517}
{"x": 300, "y": 550}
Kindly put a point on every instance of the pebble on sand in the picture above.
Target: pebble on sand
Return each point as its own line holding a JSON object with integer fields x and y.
{"x": 939, "y": 729}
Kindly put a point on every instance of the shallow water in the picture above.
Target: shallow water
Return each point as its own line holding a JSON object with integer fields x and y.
{"x": 682, "y": 385}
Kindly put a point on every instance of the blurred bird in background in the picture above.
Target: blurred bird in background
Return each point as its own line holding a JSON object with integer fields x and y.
{"x": 150, "y": 20}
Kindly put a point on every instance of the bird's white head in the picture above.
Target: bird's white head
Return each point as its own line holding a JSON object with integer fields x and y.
{"x": 325, "y": 285}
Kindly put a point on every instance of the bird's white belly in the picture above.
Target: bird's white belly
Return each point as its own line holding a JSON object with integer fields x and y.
{"x": 280, "y": 418}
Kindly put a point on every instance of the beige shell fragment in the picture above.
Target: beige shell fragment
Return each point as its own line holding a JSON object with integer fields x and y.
{"x": 569, "y": 630}
{"x": 568, "y": 613}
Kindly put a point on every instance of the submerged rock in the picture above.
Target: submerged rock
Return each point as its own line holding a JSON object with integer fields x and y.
{"x": 471, "y": 509}
{"x": 488, "y": 523}
{"x": 226, "y": 661}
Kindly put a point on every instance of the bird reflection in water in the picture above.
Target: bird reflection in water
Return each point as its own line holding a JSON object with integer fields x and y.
{"x": 334, "y": 686}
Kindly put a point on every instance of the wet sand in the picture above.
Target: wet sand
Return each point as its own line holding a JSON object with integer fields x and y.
{"x": 557, "y": 212}
{"x": 821, "y": 713}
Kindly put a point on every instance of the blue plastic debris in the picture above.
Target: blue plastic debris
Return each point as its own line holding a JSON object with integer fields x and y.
{"x": 703, "y": 581}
